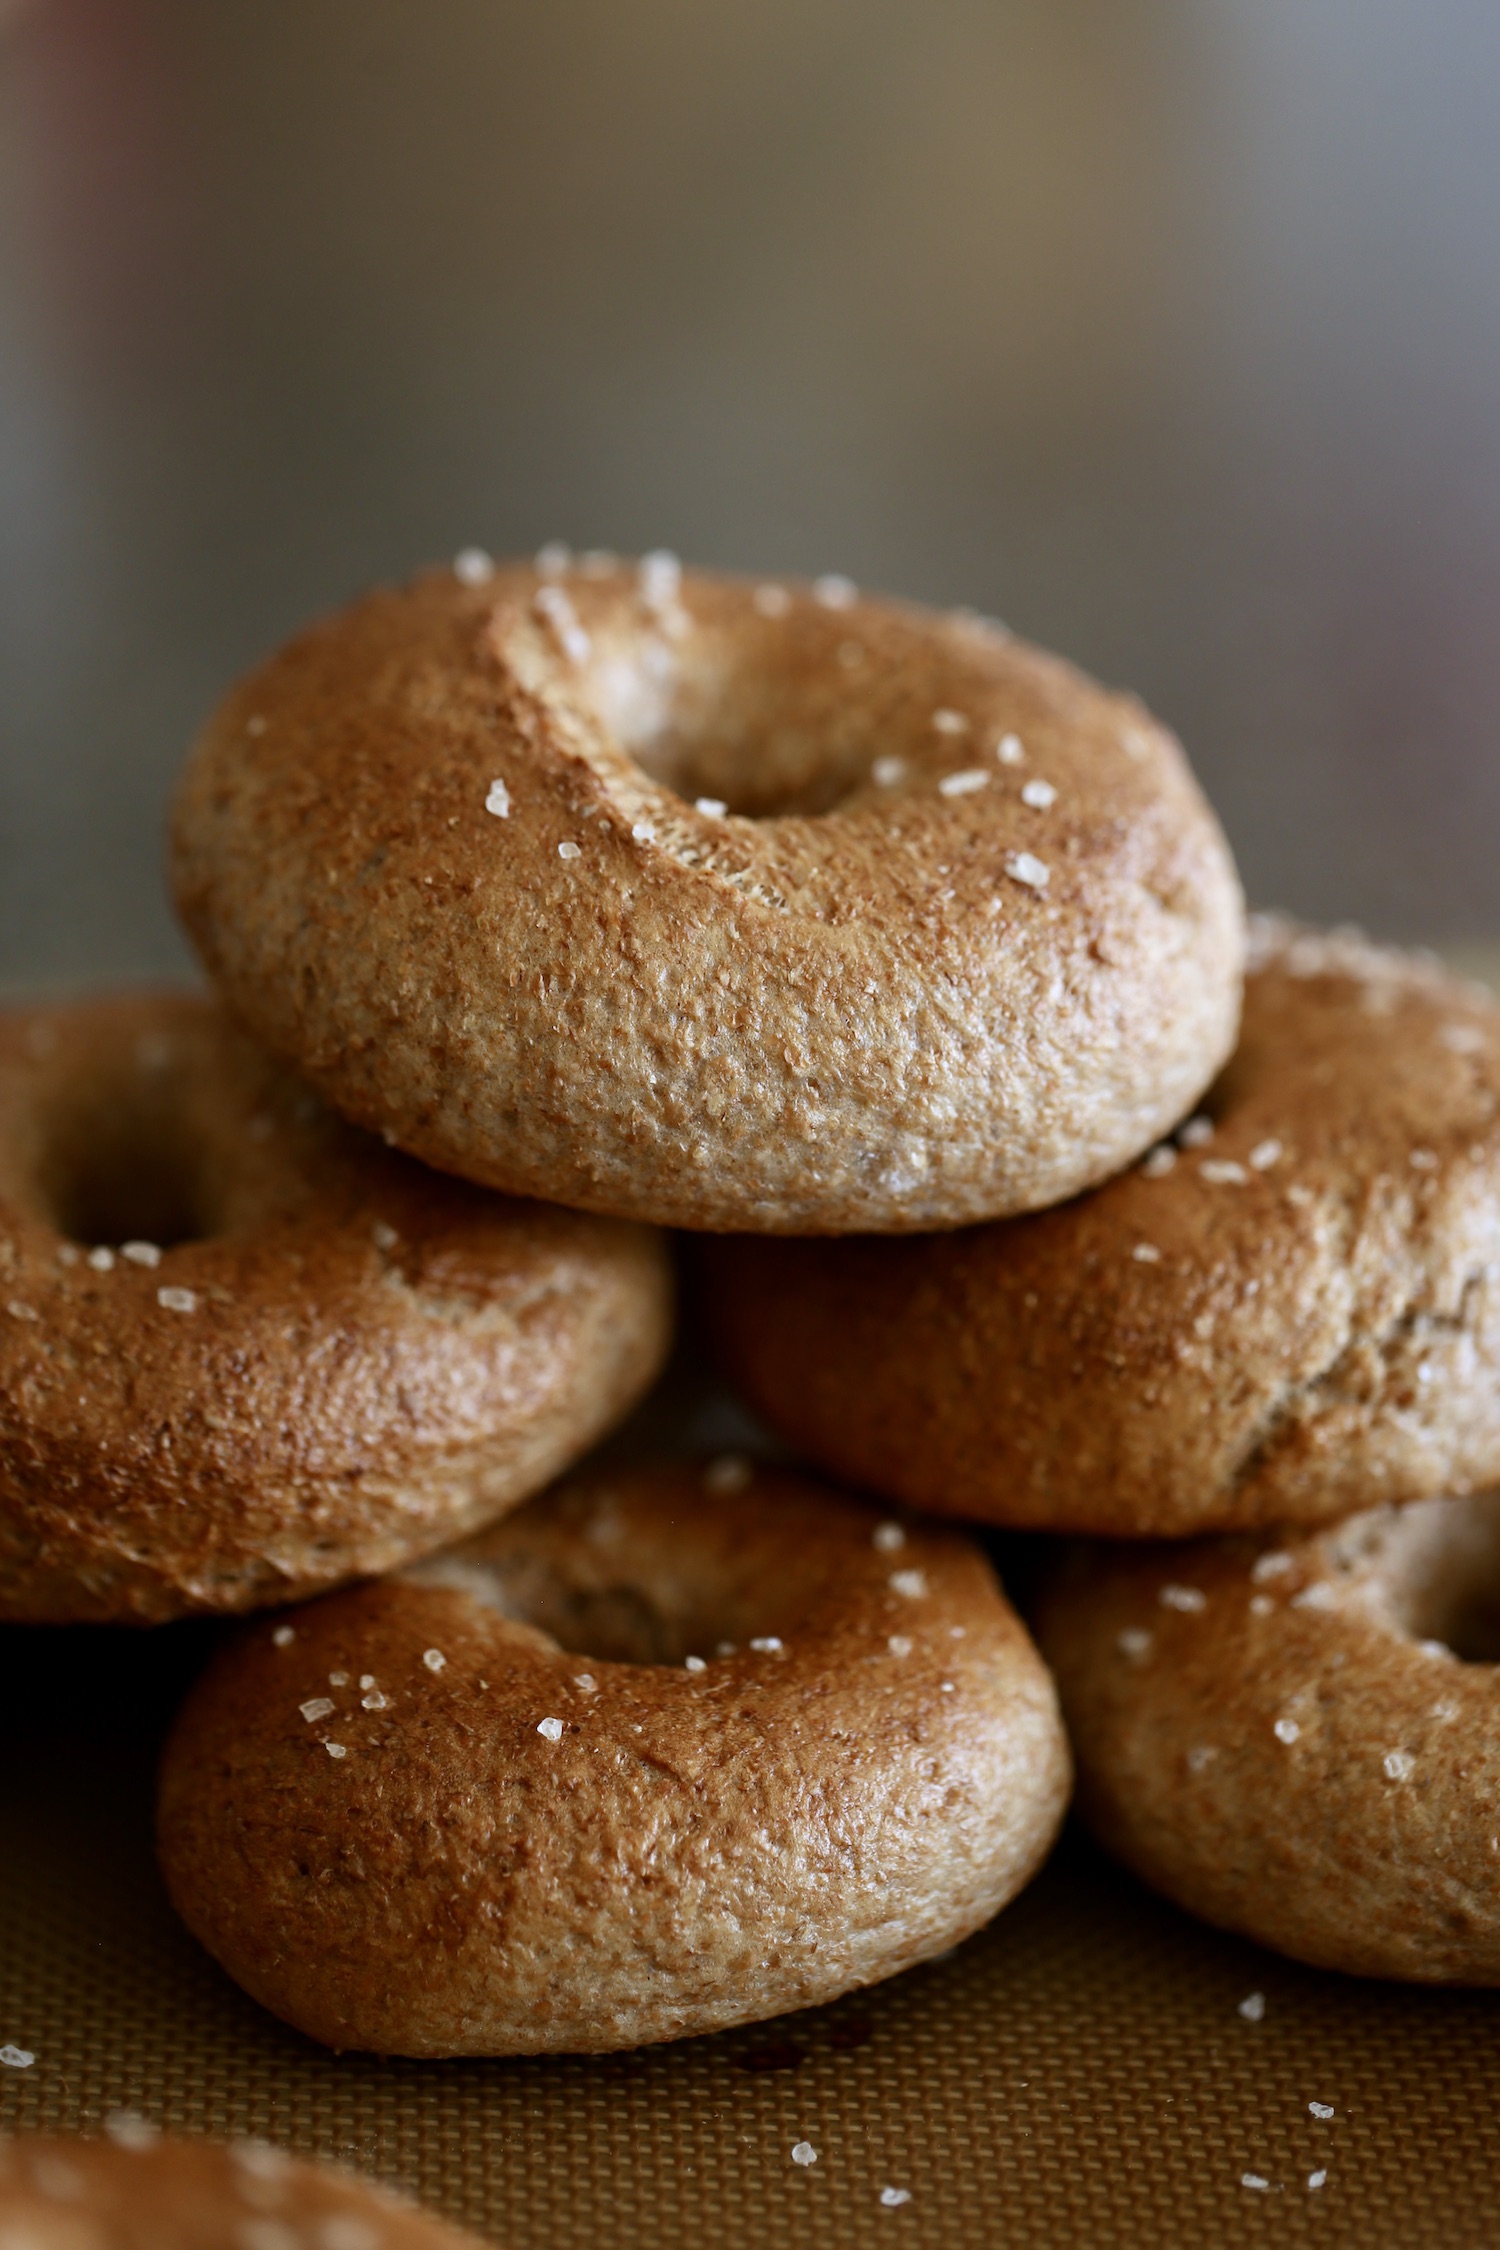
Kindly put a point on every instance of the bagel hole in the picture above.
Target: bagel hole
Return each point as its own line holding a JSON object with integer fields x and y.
{"x": 615, "y": 1622}
{"x": 1456, "y": 1597}
{"x": 737, "y": 739}
{"x": 124, "y": 1176}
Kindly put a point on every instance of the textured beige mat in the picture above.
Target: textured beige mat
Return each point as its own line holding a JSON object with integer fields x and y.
{"x": 1079, "y": 2074}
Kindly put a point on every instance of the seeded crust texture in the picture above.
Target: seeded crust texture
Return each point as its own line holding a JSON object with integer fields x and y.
{"x": 142, "y": 2192}
{"x": 246, "y": 1352}
{"x": 416, "y": 1866}
{"x": 1279, "y": 1323}
{"x": 851, "y": 1001}
{"x": 1280, "y": 1736}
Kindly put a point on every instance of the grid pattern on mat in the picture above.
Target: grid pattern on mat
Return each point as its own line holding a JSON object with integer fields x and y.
{"x": 1079, "y": 2074}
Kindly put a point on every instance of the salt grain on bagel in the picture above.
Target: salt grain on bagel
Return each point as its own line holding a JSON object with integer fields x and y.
{"x": 623, "y": 887}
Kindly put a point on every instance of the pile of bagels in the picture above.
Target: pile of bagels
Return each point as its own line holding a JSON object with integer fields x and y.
{"x": 902, "y": 972}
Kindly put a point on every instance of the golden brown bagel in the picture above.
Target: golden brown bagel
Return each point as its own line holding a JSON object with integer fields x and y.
{"x": 448, "y": 852}
{"x": 1276, "y": 1323}
{"x": 1287, "y": 1737}
{"x": 426, "y": 1827}
{"x": 138, "y": 2191}
{"x": 246, "y": 1352}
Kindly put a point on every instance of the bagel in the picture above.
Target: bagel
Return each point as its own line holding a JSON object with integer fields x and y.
{"x": 1297, "y": 1740}
{"x": 502, "y": 1804}
{"x": 683, "y": 899}
{"x": 139, "y": 2191}
{"x": 1291, "y": 1313}
{"x": 287, "y": 1356}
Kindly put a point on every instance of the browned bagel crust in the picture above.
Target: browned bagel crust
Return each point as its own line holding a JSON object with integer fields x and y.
{"x": 357, "y": 1362}
{"x": 1365, "y": 1834}
{"x": 1298, "y": 1316}
{"x": 832, "y": 1009}
{"x": 702, "y": 1845}
{"x": 140, "y": 2191}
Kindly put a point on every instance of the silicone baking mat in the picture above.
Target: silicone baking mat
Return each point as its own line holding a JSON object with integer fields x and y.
{"x": 1080, "y": 2073}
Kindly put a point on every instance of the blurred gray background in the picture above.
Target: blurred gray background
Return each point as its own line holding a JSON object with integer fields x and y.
{"x": 1168, "y": 331}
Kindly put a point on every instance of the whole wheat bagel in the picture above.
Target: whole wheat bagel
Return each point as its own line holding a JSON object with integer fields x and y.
{"x": 1289, "y": 1312}
{"x": 659, "y": 1754}
{"x": 246, "y": 1352}
{"x": 718, "y": 905}
{"x": 1297, "y": 1739}
{"x": 138, "y": 2191}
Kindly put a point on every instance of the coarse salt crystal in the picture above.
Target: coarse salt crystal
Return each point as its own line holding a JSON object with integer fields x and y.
{"x": 949, "y": 722}
{"x": 18, "y": 1311}
{"x": 1254, "y": 2180}
{"x": 384, "y": 1235}
{"x": 16, "y": 2058}
{"x": 1189, "y": 1599}
{"x": 1025, "y": 867}
{"x": 1422, "y": 1160}
{"x": 660, "y": 578}
{"x": 694, "y": 1664}
{"x": 1286, "y": 1730}
{"x": 554, "y": 606}
{"x": 101, "y": 1260}
{"x": 551, "y": 1728}
{"x": 643, "y": 832}
{"x": 1146, "y": 1254}
{"x": 336, "y": 1749}
{"x": 766, "y": 1644}
{"x": 1039, "y": 794}
{"x": 887, "y": 1538}
{"x": 1009, "y": 751}
{"x": 283, "y": 1636}
{"x": 894, "y": 2197}
{"x": 374, "y": 1701}
{"x": 1223, "y": 1172}
{"x": 714, "y": 808}
{"x": 1160, "y": 1162}
{"x": 316, "y": 1707}
{"x": 1253, "y": 2007}
{"x": 1261, "y": 1605}
{"x": 833, "y": 591}
{"x": 1196, "y": 1133}
{"x": 498, "y": 801}
{"x": 1319, "y": 1595}
{"x": 141, "y": 1253}
{"x": 177, "y": 1300}
{"x": 1320, "y": 2109}
{"x": 585, "y": 1682}
{"x": 1398, "y": 1765}
{"x": 1134, "y": 1642}
{"x": 888, "y": 771}
{"x": 1316, "y": 2179}
{"x": 567, "y": 850}
{"x": 911, "y": 1585}
{"x": 963, "y": 784}
{"x": 1264, "y": 1155}
{"x": 1274, "y": 1565}
{"x": 1201, "y": 1758}
{"x": 473, "y": 567}
{"x": 434, "y": 1659}
{"x": 900, "y": 1644}
{"x": 803, "y": 2152}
